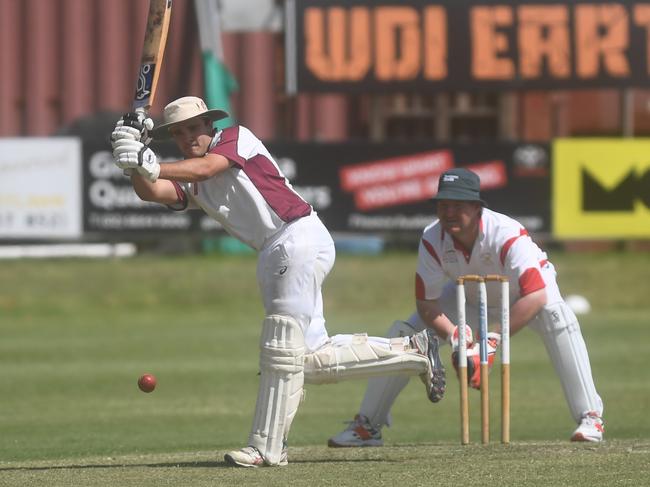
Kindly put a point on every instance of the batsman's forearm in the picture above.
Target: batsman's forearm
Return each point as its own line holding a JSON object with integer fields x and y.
{"x": 195, "y": 169}
{"x": 187, "y": 171}
{"x": 161, "y": 191}
{"x": 143, "y": 188}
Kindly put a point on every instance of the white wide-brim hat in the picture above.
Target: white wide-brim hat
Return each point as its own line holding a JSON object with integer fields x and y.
{"x": 182, "y": 110}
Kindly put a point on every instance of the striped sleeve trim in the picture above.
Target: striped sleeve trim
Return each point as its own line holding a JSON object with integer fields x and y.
{"x": 509, "y": 243}
{"x": 432, "y": 252}
{"x": 530, "y": 281}
{"x": 419, "y": 287}
{"x": 182, "y": 202}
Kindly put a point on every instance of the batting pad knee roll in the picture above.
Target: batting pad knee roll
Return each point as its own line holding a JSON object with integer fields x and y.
{"x": 282, "y": 351}
{"x": 282, "y": 345}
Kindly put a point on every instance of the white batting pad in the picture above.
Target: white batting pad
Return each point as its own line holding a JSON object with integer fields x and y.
{"x": 562, "y": 337}
{"x": 282, "y": 349}
{"x": 361, "y": 358}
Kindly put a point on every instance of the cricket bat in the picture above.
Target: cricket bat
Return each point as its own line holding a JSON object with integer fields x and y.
{"x": 155, "y": 37}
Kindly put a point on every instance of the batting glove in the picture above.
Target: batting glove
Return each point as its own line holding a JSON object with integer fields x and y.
{"x": 129, "y": 154}
{"x": 148, "y": 165}
{"x": 132, "y": 126}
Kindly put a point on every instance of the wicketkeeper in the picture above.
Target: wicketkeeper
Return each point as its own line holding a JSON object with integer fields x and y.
{"x": 231, "y": 176}
{"x": 469, "y": 238}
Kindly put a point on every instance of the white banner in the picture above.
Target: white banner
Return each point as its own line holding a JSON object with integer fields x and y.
{"x": 40, "y": 188}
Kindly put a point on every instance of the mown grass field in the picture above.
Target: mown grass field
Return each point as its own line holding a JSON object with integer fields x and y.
{"x": 76, "y": 334}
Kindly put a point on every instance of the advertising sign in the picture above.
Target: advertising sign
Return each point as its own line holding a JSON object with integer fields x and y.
{"x": 40, "y": 188}
{"x": 601, "y": 188}
{"x": 112, "y": 206}
{"x": 354, "y": 187}
{"x": 361, "y": 45}
{"x": 376, "y": 188}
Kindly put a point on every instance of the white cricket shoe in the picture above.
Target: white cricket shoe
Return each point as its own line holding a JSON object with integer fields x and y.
{"x": 358, "y": 433}
{"x": 591, "y": 428}
{"x": 426, "y": 342}
{"x": 251, "y": 457}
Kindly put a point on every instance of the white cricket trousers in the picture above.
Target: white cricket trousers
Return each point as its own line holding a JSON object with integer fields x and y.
{"x": 291, "y": 269}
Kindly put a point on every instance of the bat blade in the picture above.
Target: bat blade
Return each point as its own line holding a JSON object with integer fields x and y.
{"x": 155, "y": 38}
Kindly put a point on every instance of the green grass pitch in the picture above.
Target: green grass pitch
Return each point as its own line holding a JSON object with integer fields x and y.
{"x": 75, "y": 335}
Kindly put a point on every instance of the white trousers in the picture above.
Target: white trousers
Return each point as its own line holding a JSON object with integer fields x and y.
{"x": 560, "y": 331}
{"x": 290, "y": 272}
{"x": 291, "y": 269}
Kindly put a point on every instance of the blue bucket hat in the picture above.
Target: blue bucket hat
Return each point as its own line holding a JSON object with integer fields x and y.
{"x": 459, "y": 184}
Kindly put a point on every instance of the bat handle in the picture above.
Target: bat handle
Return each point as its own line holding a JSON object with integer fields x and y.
{"x": 145, "y": 137}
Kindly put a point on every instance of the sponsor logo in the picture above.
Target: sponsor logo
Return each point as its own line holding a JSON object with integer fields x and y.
{"x": 486, "y": 259}
{"x": 631, "y": 188}
{"x": 530, "y": 161}
{"x": 450, "y": 256}
{"x": 410, "y": 179}
{"x": 145, "y": 80}
{"x": 601, "y": 188}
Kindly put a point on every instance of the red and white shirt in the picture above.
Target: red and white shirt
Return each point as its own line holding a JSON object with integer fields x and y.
{"x": 503, "y": 246}
{"x": 252, "y": 199}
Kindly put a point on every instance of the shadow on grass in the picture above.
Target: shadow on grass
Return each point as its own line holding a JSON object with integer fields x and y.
{"x": 181, "y": 465}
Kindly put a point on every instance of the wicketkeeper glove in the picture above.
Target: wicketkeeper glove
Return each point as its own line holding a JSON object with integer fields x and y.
{"x": 130, "y": 154}
{"x": 453, "y": 338}
{"x": 134, "y": 126}
{"x": 474, "y": 359}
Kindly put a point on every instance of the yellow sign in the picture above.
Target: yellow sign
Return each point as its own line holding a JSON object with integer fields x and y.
{"x": 601, "y": 188}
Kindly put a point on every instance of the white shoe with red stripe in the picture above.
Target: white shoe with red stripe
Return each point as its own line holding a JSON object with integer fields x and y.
{"x": 251, "y": 457}
{"x": 591, "y": 428}
{"x": 358, "y": 433}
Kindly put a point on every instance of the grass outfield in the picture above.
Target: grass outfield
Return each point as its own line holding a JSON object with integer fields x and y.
{"x": 76, "y": 334}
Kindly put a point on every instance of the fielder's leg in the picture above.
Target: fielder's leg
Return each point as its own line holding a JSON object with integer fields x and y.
{"x": 374, "y": 413}
{"x": 282, "y": 348}
{"x": 559, "y": 328}
{"x": 392, "y": 362}
{"x": 382, "y": 392}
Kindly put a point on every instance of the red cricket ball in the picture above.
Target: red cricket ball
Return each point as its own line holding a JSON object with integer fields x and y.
{"x": 147, "y": 383}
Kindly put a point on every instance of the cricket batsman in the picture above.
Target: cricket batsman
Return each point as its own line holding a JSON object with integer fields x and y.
{"x": 469, "y": 238}
{"x": 231, "y": 176}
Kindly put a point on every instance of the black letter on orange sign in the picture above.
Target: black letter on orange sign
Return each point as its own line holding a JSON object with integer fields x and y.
{"x": 611, "y": 45}
{"x": 487, "y": 43}
{"x": 334, "y": 51}
{"x": 533, "y": 46}
{"x": 397, "y": 43}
